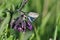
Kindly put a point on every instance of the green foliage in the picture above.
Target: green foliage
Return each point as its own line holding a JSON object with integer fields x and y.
{"x": 45, "y": 27}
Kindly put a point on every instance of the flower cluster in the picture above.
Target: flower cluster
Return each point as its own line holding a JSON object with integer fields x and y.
{"x": 21, "y": 23}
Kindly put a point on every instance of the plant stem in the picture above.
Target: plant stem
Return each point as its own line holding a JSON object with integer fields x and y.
{"x": 55, "y": 33}
{"x": 45, "y": 8}
{"x": 22, "y": 5}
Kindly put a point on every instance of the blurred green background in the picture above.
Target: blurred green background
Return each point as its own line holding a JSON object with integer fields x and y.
{"x": 46, "y": 26}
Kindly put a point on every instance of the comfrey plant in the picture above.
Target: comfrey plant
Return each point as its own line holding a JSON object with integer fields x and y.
{"x": 23, "y": 22}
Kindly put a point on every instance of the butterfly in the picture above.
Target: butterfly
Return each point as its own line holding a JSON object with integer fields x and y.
{"x": 23, "y": 22}
{"x": 32, "y": 16}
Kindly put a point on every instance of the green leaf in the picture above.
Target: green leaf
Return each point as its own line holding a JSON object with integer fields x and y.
{"x": 10, "y": 38}
{"x": 25, "y": 36}
{"x": 4, "y": 23}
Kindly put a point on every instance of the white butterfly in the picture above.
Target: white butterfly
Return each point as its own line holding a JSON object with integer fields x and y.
{"x": 32, "y": 16}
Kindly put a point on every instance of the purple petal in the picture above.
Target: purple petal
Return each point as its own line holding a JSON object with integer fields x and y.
{"x": 23, "y": 24}
{"x": 18, "y": 21}
{"x": 16, "y": 27}
{"x": 20, "y": 29}
{"x": 29, "y": 25}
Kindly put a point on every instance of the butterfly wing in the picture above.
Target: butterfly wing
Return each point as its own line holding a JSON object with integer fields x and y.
{"x": 32, "y": 16}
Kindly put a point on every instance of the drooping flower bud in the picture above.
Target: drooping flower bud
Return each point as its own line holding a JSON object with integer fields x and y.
{"x": 29, "y": 25}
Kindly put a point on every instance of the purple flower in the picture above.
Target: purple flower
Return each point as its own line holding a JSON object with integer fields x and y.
{"x": 20, "y": 29}
{"x": 29, "y": 25}
{"x": 24, "y": 25}
{"x": 21, "y": 24}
